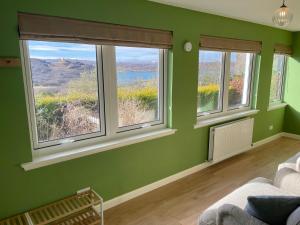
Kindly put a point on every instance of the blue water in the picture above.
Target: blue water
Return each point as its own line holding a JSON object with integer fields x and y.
{"x": 131, "y": 77}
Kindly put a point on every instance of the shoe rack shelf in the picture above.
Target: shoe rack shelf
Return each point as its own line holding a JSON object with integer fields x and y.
{"x": 84, "y": 208}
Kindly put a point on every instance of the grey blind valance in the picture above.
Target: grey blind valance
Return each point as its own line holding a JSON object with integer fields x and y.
{"x": 229, "y": 44}
{"x": 39, "y": 27}
{"x": 283, "y": 49}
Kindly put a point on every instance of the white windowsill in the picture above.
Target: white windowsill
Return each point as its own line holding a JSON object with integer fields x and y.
{"x": 80, "y": 152}
{"x": 276, "y": 106}
{"x": 223, "y": 118}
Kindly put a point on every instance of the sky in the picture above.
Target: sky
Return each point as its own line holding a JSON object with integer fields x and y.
{"x": 57, "y": 50}
{"x": 213, "y": 56}
{"x": 210, "y": 56}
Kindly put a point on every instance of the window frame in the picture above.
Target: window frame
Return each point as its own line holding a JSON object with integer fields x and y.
{"x": 250, "y": 82}
{"x": 107, "y": 111}
{"x": 222, "y": 80}
{"x": 31, "y": 103}
{"x": 283, "y": 80}
{"x": 225, "y": 109}
{"x": 109, "y": 57}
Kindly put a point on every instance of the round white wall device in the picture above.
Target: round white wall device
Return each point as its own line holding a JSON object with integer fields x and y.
{"x": 188, "y": 46}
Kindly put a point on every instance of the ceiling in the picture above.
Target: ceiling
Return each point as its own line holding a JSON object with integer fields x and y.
{"x": 257, "y": 11}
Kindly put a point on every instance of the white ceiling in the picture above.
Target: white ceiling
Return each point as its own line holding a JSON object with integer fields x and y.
{"x": 257, "y": 11}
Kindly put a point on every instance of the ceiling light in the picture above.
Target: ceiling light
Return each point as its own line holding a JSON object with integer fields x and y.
{"x": 282, "y": 16}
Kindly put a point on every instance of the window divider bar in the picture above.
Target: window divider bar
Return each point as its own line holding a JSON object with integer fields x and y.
{"x": 251, "y": 80}
{"x": 283, "y": 79}
{"x": 101, "y": 94}
{"x": 162, "y": 88}
{"x": 166, "y": 103}
{"x": 110, "y": 86}
{"x": 226, "y": 81}
{"x": 222, "y": 87}
{"x": 247, "y": 80}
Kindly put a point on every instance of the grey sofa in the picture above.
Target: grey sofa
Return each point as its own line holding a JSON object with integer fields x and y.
{"x": 229, "y": 210}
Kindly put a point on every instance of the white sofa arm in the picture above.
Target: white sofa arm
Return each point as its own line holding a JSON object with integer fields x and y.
{"x": 288, "y": 180}
{"x": 292, "y": 163}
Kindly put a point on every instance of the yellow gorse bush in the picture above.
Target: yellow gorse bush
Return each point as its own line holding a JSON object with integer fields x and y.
{"x": 146, "y": 92}
{"x": 211, "y": 89}
{"x": 208, "y": 89}
{"x": 72, "y": 97}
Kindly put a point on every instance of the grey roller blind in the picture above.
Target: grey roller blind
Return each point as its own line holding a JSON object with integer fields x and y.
{"x": 229, "y": 44}
{"x": 39, "y": 27}
{"x": 283, "y": 49}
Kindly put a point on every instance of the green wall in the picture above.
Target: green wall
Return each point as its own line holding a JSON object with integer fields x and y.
{"x": 118, "y": 171}
{"x": 292, "y": 90}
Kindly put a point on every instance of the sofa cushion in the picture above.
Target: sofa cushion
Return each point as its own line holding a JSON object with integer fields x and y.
{"x": 273, "y": 210}
{"x": 258, "y": 186}
{"x": 294, "y": 217}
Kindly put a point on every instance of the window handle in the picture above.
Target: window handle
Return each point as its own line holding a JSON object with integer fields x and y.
{"x": 146, "y": 125}
{"x": 67, "y": 141}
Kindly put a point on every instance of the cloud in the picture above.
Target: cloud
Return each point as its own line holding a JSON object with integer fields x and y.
{"x": 137, "y": 55}
{"x": 56, "y": 57}
{"x": 83, "y": 48}
{"x": 55, "y": 50}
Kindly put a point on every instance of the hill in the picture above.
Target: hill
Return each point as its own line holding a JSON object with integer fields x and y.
{"x": 57, "y": 72}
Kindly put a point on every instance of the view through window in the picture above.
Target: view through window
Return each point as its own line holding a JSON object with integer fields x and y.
{"x": 239, "y": 79}
{"x": 278, "y": 70}
{"x": 209, "y": 81}
{"x": 138, "y": 85}
{"x": 68, "y": 100}
{"x": 221, "y": 91}
{"x": 65, "y": 89}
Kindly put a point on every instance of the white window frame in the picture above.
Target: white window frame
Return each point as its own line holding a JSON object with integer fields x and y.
{"x": 224, "y": 90}
{"x": 109, "y": 56}
{"x": 220, "y": 99}
{"x": 283, "y": 80}
{"x": 106, "y": 70}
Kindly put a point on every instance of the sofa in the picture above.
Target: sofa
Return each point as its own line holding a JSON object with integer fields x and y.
{"x": 229, "y": 210}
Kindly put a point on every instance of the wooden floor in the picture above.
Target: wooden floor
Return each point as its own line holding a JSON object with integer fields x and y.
{"x": 181, "y": 202}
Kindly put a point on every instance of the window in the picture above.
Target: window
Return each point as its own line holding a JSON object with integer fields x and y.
{"x": 224, "y": 81}
{"x": 138, "y": 85}
{"x": 80, "y": 92}
{"x": 239, "y": 79}
{"x": 210, "y": 81}
{"x": 277, "y": 81}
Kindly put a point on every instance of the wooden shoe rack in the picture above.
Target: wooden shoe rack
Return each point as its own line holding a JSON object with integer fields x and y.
{"x": 78, "y": 209}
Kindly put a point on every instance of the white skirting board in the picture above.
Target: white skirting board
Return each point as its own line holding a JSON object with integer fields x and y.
{"x": 267, "y": 140}
{"x": 290, "y": 135}
{"x": 150, "y": 187}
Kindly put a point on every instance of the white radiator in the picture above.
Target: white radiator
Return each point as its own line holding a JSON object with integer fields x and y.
{"x": 230, "y": 139}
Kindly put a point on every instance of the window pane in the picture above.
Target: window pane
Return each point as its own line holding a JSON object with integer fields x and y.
{"x": 277, "y": 78}
{"x": 138, "y": 85}
{"x": 65, "y": 88}
{"x": 239, "y": 79}
{"x": 209, "y": 81}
